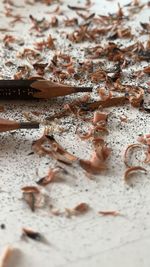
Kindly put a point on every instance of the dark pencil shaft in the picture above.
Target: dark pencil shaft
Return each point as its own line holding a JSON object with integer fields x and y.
{"x": 16, "y": 89}
{"x": 29, "y": 125}
{"x": 26, "y": 89}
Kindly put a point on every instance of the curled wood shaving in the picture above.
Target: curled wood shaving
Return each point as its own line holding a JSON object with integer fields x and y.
{"x": 45, "y": 44}
{"x": 136, "y": 96}
{"x": 71, "y": 22}
{"x": 54, "y": 21}
{"x": 120, "y": 13}
{"x": 103, "y": 95}
{"x": 146, "y": 70}
{"x": 99, "y": 128}
{"x": 133, "y": 169}
{"x": 40, "y": 67}
{"x": 98, "y": 141}
{"x": 28, "y": 53}
{"x": 145, "y": 139}
{"x": 9, "y": 39}
{"x": 36, "y": 236}
{"x": 85, "y": 136}
{"x": 74, "y": 108}
{"x": 142, "y": 139}
{"x": 50, "y": 177}
{"x": 147, "y": 159}
{"x": 57, "y": 11}
{"x": 94, "y": 130}
{"x": 97, "y": 163}
{"x": 56, "y": 151}
{"x": 127, "y": 151}
{"x": 86, "y": 16}
{"x": 83, "y": 115}
{"x": 66, "y": 58}
{"x": 39, "y": 25}
{"x": 34, "y": 197}
{"x": 99, "y": 75}
{"x": 23, "y": 73}
{"x": 81, "y": 208}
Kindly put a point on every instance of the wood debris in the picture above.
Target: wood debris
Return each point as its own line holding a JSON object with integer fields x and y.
{"x": 31, "y": 234}
{"x": 34, "y": 197}
{"x": 81, "y": 208}
{"x": 128, "y": 150}
{"x": 131, "y": 170}
{"x": 109, "y": 213}
{"x": 8, "y": 256}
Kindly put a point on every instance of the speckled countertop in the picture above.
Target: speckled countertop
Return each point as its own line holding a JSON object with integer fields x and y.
{"x": 90, "y": 239}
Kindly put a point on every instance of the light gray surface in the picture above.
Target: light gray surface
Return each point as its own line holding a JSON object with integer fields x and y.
{"x": 89, "y": 239}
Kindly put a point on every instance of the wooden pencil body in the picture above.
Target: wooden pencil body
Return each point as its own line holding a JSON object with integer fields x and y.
{"x": 35, "y": 89}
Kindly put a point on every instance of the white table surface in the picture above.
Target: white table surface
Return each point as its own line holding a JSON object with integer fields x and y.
{"x": 90, "y": 239}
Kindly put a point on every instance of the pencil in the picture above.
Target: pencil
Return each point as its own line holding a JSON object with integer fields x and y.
{"x": 9, "y": 125}
{"x": 36, "y": 89}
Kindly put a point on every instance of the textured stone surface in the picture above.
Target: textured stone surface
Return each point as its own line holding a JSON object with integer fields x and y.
{"x": 89, "y": 239}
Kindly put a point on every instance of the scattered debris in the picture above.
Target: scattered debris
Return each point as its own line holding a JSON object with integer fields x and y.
{"x": 36, "y": 236}
{"x": 109, "y": 213}
{"x": 131, "y": 170}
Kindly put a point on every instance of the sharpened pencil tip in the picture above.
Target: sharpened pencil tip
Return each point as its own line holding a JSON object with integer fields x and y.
{"x": 84, "y": 89}
{"x": 29, "y": 125}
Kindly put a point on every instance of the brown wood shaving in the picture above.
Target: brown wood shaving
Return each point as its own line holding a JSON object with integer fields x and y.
{"x": 71, "y": 22}
{"x": 120, "y": 13}
{"x": 77, "y": 7}
{"x": 53, "y": 174}
{"x": 103, "y": 95}
{"x": 128, "y": 150}
{"x": 144, "y": 139}
{"x": 100, "y": 128}
{"x": 124, "y": 118}
{"x": 9, "y": 39}
{"x": 28, "y": 53}
{"x": 34, "y": 197}
{"x": 36, "y": 236}
{"x": 97, "y": 163}
{"x": 98, "y": 76}
{"x": 40, "y": 25}
{"x": 23, "y": 73}
{"x": 146, "y": 70}
{"x": 45, "y": 44}
{"x": 81, "y": 208}
{"x": 17, "y": 19}
{"x": 130, "y": 170}
{"x": 54, "y": 21}
{"x": 84, "y": 136}
{"x": 147, "y": 159}
{"x": 98, "y": 141}
{"x": 135, "y": 95}
{"x": 56, "y": 151}
{"x": 85, "y": 16}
